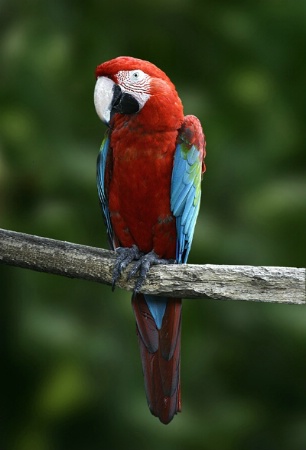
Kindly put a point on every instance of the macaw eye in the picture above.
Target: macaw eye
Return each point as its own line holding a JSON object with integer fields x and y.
{"x": 136, "y": 75}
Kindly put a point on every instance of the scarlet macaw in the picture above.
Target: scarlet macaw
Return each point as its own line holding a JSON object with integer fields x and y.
{"x": 149, "y": 174}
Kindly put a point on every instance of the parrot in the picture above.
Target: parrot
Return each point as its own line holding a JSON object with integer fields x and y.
{"x": 149, "y": 172}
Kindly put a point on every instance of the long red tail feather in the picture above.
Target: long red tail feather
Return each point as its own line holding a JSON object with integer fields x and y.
{"x": 160, "y": 354}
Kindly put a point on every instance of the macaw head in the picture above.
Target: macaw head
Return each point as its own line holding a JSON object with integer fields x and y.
{"x": 130, "y": 86}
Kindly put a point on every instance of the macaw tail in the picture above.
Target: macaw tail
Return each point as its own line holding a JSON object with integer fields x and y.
{"x": 158, "y": 324}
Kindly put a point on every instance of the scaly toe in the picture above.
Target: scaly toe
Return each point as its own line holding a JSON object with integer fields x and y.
{"x": 143, "y": 266}
{"x": 136, "y": 268}
{"x": 124, "y": 255}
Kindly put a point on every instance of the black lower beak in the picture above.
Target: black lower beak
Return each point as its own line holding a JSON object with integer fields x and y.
{"x": 123, "y": 103}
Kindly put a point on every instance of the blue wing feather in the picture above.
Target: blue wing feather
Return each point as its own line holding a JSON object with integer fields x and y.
{"x": 179, "y": 199}
{"x": 186, "y": 184}
{"x": 101, "y": 167}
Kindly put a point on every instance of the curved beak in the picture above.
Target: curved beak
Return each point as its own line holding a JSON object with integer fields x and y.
{"x": 103, "y": 98}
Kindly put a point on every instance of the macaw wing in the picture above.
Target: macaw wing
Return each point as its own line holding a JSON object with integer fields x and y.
{"x": 102, "y": 184}
{"x": 187, "y": 172}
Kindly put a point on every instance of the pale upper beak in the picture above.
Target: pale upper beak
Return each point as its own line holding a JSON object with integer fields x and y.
{"x": 103, "y": 98}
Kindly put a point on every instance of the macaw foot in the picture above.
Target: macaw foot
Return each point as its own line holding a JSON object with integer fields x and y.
{"x": 124, "y": 255}
{"x": 142, "y": 266}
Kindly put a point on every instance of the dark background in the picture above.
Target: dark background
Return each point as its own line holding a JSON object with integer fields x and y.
{"x": 71, "y": 373}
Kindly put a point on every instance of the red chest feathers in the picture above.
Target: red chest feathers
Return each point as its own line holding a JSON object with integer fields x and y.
{"x": 139, "y": 190}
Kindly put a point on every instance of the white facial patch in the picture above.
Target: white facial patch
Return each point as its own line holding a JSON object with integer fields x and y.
{"x": 136, "y": 83}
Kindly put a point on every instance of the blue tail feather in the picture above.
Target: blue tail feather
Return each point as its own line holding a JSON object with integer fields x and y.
{"x": 157, "y": 307}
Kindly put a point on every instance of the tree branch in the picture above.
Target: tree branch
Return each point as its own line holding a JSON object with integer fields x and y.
{"x": 262, "y": 284}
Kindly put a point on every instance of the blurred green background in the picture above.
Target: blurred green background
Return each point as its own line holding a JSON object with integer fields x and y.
{"x": 70, "y": 361}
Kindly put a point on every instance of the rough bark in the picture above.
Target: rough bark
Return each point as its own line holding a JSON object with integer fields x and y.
{"x": 219, "y": 282}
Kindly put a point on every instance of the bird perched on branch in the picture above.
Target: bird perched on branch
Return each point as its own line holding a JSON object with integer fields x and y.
{"x": 149, "y": 173}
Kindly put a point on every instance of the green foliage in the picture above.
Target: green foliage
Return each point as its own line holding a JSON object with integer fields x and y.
{"x": 71, "y": 368}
